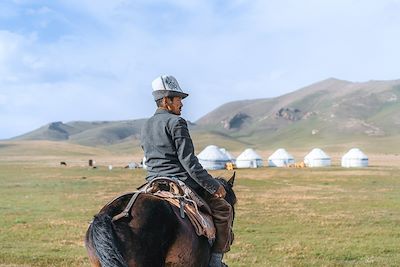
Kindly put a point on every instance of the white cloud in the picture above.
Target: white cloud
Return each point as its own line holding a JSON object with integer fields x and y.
{"x": 3, "y": 100}
{"x": 44, "y": 10}
{"x": 9, "y": 44}
{"x": 103, "y": 55}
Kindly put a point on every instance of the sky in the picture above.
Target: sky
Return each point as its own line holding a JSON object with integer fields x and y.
{"x": 94, "y": 60}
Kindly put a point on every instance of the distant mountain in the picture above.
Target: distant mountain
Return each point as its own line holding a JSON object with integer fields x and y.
{"x": 87, "y": 133}
{"x": 328, "y": 113}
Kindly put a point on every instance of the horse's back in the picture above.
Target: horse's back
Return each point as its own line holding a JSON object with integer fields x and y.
{"x": 155, "y": 235}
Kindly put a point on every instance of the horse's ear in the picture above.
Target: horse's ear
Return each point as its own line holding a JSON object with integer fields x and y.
{"x": 232, "y": 180}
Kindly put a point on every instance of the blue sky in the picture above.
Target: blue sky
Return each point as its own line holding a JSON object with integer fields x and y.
{"x": 72, "y": 60}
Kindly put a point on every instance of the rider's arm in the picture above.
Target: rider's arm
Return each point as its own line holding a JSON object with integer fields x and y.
{"x": 184, "y": 146}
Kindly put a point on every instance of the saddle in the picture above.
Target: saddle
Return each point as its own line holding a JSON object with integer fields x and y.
{"x": 181, "y": 196}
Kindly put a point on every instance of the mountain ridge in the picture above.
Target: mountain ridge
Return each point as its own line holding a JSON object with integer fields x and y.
{"x": 331, "y": 111}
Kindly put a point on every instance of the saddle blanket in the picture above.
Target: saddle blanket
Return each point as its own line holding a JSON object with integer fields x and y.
{"x": 181, "y": 196}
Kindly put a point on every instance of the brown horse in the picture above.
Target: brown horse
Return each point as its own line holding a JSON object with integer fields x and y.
{"x": 153, "y": 235}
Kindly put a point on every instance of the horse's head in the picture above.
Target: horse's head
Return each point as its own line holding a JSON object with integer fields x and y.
{"x": 230, "y": 196}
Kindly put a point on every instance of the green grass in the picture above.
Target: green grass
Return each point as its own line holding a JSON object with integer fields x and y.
{"x": 326, "y": 217}
{"x": 284, "y": 217}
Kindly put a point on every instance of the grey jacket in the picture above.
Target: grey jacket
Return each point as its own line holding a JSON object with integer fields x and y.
{"x": 169, "y": 152}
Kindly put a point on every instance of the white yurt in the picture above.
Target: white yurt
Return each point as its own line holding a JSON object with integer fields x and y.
{"x": 211, "y": 158}
{"x": 317, "y": 158}
{"x": 229, "y": 155}
{"x": 280, "y": 158}
{"x": 354, "y": 158}
{"x": 249, "y": 159}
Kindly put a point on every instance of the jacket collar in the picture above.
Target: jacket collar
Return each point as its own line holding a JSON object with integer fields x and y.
{"x": 162, "y": 111}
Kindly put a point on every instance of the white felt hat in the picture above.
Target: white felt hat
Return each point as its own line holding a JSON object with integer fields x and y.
{"x": 166, "y": 85}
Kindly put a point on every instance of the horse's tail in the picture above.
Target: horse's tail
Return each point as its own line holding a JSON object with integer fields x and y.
{"x": 104, "y": 240}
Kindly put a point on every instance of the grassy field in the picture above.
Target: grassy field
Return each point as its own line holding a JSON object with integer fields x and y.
{"x": 285, "y": 217}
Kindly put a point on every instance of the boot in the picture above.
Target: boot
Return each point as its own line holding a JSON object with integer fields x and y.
{"x": 216, "y": 260}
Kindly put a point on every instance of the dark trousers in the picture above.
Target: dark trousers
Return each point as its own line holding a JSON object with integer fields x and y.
{"x": 222, "y": 214}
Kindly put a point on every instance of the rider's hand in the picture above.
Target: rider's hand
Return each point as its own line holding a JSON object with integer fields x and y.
{"x": 220, "y": 192}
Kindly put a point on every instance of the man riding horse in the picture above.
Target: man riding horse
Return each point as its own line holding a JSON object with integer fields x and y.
{"x": 169, "y": 152}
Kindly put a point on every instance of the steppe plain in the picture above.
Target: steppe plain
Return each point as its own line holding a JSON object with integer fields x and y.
{"x": 284, "y": 217}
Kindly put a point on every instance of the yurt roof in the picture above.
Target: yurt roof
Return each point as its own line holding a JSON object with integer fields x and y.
{"x": 355, "y": 153}
{"x": 212, "y": 152}
{"x": 226, "y": 152}
{"x": 248, "y": 154}
{"x": 317, "y": 153}
{"x": 281, "y": 153}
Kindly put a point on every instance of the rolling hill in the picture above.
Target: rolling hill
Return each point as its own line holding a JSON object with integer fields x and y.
{"x": 99, "y": 133}
{"x": 331, "y": 113}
